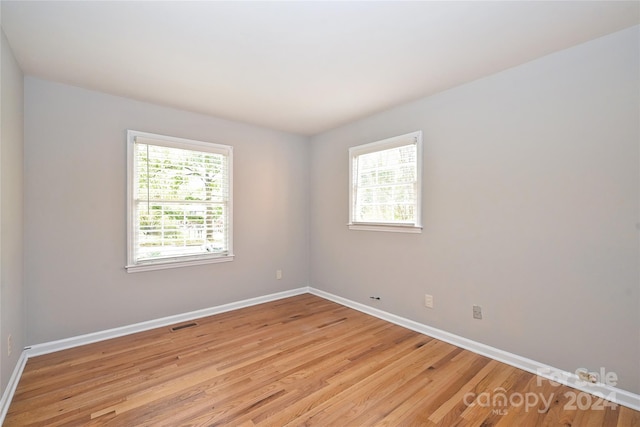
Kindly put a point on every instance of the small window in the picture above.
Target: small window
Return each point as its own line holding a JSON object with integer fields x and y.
{"x": 385, "y": 179}
{"x": 179, "y": 204}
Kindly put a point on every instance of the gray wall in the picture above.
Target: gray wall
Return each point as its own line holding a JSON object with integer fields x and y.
{"x": 75, "y": 212}
{"x": 11, "y": 212}
{"x": 531, "y": 199}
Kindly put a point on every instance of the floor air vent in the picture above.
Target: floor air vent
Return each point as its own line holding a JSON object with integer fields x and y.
{"x": 183, "y": 326}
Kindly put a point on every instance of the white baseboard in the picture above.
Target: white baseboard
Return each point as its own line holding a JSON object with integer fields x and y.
{"x": 613, "y": 394}
{"x": 63, "y": 344}
{"x": 12, "y": 385}
{"x": 50, "y": 347}
{"x": 607, "y": 392}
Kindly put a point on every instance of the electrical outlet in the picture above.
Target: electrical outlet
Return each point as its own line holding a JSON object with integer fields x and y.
{"x": 9, "y": 345}
{"x": 477, "y": 312}
{"x": 278, "y": 274}
{"x": 428, "y": 301}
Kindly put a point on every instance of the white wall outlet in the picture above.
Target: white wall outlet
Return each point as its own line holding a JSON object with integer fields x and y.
{"x": 9, "y": 345}
{"x": 428, "y": 301}
{"x": 278, "y": 274}
{"x": 477, "y": 312}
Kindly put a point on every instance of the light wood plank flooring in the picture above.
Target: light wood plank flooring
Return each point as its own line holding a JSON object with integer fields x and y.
{"x": 297, "y": 361}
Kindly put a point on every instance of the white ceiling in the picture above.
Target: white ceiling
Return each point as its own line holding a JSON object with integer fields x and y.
{"x": 302, "y": 67}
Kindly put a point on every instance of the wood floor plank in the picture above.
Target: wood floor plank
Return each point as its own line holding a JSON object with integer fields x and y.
{"x": 440, "y": 377}
{"x": 309, "y": 405}
{"x": 297, "y": 361}
{"x": 628, "y": 417}
{"x": 362, "y": 398}
{"x": 455, "y": 402}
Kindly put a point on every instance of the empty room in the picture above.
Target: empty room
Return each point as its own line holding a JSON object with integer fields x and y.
{"x": 330, "y": 213}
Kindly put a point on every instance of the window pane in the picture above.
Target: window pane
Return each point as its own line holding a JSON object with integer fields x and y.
{"x": 170, "y": 230}
{"x": 177, "y": 174}
{"x": 180, "y": 202}
{"x": 385, "y": 185}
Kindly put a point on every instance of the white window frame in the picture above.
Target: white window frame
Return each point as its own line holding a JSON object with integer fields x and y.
{"x": 386, "y": 144}
{"x": 178, "y": 261}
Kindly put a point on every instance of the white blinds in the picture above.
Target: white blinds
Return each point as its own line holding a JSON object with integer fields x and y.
{"x": 385, "y": 186}
{"x": 181, "y": 200}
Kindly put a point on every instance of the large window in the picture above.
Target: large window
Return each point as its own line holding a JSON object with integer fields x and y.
{"x": 385, "y": 179}
{"x": 179, "y": 207}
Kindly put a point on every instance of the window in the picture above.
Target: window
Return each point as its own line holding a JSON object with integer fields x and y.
{"x": 385, "y": 179}
{"x": 179, "y": 204}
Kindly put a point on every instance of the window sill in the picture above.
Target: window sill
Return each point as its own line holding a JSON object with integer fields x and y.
{"x": 163, "y": 265}
{"x": 386, "y": 227}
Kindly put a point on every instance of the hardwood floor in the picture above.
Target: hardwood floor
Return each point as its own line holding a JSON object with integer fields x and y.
{"x": 297, "y": 361}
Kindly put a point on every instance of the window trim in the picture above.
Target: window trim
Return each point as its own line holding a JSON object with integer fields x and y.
{"x": 386, "y": 144}
{"x": 173, "y": 142}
